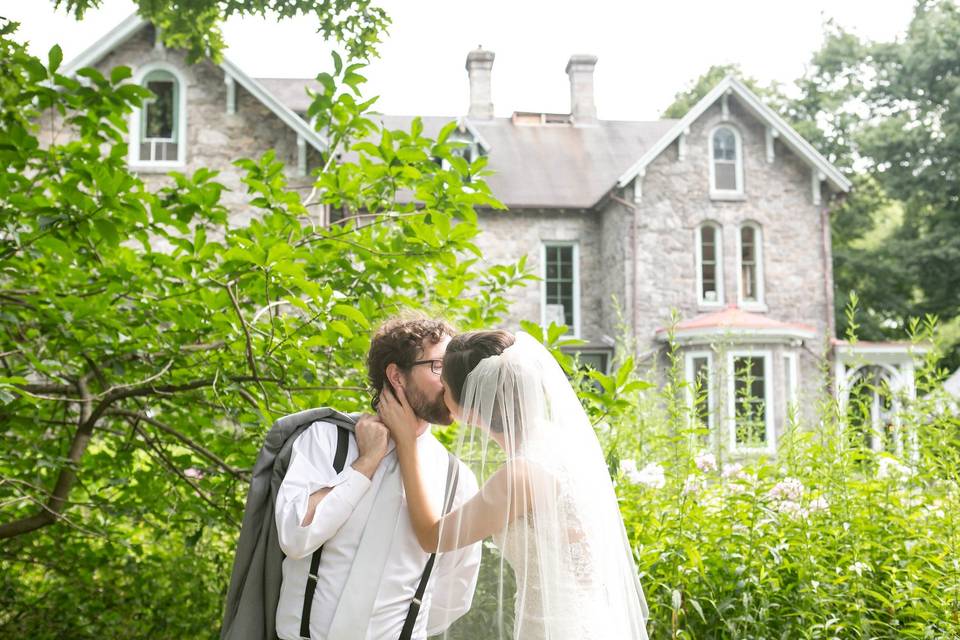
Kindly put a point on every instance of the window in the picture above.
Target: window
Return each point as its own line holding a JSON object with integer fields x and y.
{"x": 159, "y": 126}
{"x": 597, "y": 360}
{"x": 873, "y": 412}
{"x": 726, "y": 162}
{"x": 700, "y": 394}
{"x": 750, "y": 276}
{"x": 561, "y": 286}
{"x": 709, "y": 264}
{"x": 751, "y": 419}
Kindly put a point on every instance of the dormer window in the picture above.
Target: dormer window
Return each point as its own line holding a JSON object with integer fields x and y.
{"x": 726, "y": 162}
{"x": 159, "y": 126}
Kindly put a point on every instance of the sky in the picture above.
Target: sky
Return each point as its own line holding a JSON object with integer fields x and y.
{"x": 648, "y": 51}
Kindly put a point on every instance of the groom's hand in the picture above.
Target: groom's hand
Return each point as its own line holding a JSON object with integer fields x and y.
{"x": 372, "y": 439}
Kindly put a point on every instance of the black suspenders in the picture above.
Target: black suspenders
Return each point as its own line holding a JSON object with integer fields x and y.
{"x": 339, "y": 459}
{"x": 453, "y": 475}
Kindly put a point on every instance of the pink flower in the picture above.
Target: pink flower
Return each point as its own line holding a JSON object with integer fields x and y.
{"x": 706, "y": 462}
{"x": 193, "y": 473}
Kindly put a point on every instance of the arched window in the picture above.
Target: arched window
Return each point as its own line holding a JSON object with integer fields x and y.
{"x": 709, "y": 254}
{"x": 750, "y": 257}
{"x": 726, "y": 162}
{"x": 872, "y": 410}
{"x": 159, "y": 126}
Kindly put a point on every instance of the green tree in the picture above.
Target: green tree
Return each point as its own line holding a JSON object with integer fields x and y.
{"x": 892, "y": 106}
{"x": 146, "y": 343}
{"x": 195, "y": 26}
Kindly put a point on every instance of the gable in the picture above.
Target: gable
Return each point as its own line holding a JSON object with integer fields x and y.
{"x": 777, "y": 127}
{"x": 134, "y": 24}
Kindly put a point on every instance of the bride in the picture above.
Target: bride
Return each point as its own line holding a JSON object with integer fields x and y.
{"x": 550, "y": 507}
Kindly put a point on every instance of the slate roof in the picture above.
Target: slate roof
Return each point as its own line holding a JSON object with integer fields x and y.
{"x": 536, "y": 166}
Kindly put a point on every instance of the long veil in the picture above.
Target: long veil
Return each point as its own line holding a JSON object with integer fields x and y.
{"x": 565, "y": 539}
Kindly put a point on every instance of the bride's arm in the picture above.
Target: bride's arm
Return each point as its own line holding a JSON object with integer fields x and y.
{"x": 503, "y": 498}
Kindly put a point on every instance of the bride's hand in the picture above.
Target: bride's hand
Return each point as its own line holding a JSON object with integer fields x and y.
{"x": 395, "y": 412}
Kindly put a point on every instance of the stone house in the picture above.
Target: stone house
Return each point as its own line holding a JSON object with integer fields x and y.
{"x": 720, "y": 217}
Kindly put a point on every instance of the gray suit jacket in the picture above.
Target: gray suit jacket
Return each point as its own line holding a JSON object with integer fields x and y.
{"x": 251, "y": 608}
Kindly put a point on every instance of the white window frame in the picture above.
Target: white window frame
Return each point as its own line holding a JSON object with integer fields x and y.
{"x": 698, "y": 249}
{"x": 760, "y": 303}
{"x": 771, "y": 432}
{"x": 689, "y": 357}
{"x": 576, "y": 281}
{"x": 136, "y": 164}
{"x": 726, "y": 194}
{"x": 791, "y": 383}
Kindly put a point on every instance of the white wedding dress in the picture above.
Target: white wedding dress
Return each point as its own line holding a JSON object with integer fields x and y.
{"x": 575, "y": 612}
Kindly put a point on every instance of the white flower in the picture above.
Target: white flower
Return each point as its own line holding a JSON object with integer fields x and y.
{"x": 651, "y": 475}
{"x": 694, "y": 485}
{"x": 891, "y": 468}
{"x": 193, "y": 472}
{"x": 706, "y": 462}
{"x": 858, "y": 568}
{"x": 819, "y": 504}
{"x": 787, "y": 489}
{"x": 734, "y": 470}
{"x": 791, "y": 508}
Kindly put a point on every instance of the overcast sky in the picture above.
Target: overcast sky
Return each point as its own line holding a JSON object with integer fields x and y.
{"x": 648, "y": 51}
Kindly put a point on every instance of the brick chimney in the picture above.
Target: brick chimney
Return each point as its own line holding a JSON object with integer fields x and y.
{"x": 583, "y": 110}
{"x": 479, "y": 66}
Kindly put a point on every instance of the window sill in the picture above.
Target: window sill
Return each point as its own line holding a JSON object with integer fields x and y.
{"x": 728, "y": 196}
{"x": 706, "y": 305}
{"x": 156, "y": 167}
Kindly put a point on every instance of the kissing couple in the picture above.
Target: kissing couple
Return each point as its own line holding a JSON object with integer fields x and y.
{"x": 380, "y": 527}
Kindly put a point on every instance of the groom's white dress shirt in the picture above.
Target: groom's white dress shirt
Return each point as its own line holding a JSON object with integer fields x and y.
{"x": 454, "y": 578}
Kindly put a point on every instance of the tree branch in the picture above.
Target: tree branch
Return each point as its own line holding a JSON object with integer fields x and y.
{"x": 196, "y": 488}
{"x": 192, "y": 444}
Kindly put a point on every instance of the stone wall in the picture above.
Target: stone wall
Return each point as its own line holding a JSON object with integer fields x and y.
{"x": 676, "y": 200}
{"x": 214, "y": 138}
{"x": 506, "y": 236}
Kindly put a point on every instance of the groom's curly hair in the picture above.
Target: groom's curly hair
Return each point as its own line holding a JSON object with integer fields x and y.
{"x": 401, "y": 341}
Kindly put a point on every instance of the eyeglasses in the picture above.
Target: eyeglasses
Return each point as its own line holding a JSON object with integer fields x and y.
{"x": 436, "y": 366}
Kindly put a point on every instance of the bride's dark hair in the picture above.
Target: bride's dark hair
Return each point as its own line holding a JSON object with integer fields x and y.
{"x": 464, "y": 353}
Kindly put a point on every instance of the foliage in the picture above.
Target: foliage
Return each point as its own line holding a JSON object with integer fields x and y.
{"x": 146, "y": 343}
{"x": 827, "y": 540}
{"x": 889, "y": 108}
{"x": 195, "y": 25}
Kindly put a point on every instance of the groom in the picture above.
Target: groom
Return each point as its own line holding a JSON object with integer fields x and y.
{"x": 371, "y": 563}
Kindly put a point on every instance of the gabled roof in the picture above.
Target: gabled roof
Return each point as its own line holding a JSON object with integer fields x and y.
{"x": 788, "y": 135}
{"x": 134, "y": 23}
{"x": 550, "y": 166}
{"x": 735, "y": 324}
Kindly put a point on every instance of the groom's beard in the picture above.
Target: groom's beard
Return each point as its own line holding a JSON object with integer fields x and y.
{"x": 433, "y": 410}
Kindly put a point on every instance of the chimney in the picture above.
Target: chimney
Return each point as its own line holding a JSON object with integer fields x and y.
{"x": 479, "y": 65}
{"x": 580, "y": 69}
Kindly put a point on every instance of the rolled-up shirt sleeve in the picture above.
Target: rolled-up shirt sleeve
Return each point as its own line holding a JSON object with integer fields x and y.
{"x": 310, "y": 470}
{"x": 457, "y": 571}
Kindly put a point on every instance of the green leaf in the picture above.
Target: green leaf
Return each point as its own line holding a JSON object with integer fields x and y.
{"x": 353, "y": 313}
{"x": 107, "y": 230}
{"x": 54, "y": 58}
